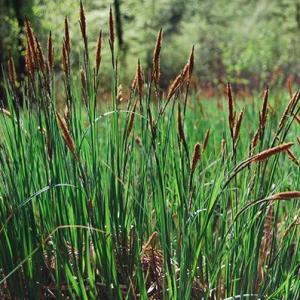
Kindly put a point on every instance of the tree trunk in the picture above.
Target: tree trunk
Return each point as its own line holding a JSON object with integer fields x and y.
{"x": 119, "y": 24}
{"x": 18, "y": 8}
{"x": 2, "y": 91}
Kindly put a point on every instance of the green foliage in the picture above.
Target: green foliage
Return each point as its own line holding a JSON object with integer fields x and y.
{"x": 119, "y": 214}
{"x": 113, "y": 201}
{"x": 231, "y": 38}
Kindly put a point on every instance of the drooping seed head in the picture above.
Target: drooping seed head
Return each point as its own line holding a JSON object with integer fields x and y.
{"x": 272, "y": 151}
{"x": 285, "y": 195}
{"x": 291, "y": 155}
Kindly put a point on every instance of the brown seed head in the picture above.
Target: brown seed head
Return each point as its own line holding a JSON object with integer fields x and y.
{"x": 264, "y": 111}
{"x": 28, "y": 62}
{"x": 83, "y": 23}
{"x": 230, "y": 108}
{"x": 196, "y": 157}
{"x": 185, "y": 73}
{"x": 289, "y": 83}
{"x": 191, "y": 62}
{"x": 120, "y": 94}
{"x": 223, "y": 147}
{"x": 67, "y": 114}
{"x": 291, "y": 155}
{"x": 174, "y": 86}
{"x": 298, "y": 140}
{"x": 67, "y": 35}
{"x": 40, "y": 56}
{"x": 139, "y": 77}
{"x": 11, "y": 72}
{"x": 30, "y": 36}
{"x": 65, "y": 59}
{"x": 272, "y": 151}
{"x": 238, "y": 126}
{"x": 179, "y": 125}
{"x": 285, "y": 195}
{"x": 66, "y": 134}
{"x": 297, "y": 118}
{"x": 50, "y": 52}
{"x": 130, "y": 124}
{"x": 156, "y": 56}
{"x": 138, "y": 141}
{"x": 286, "y": 112}
{"x": 111, "y": 29}
{"x": 153, "y": 237}
{"x": 5, "y": 112}
{"x": 98, "y": 52}
{"x": 205, "y": 141}
{"x": 255, "y": 139}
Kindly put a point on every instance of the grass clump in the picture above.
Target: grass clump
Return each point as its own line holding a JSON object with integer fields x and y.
{"x": 110, "y": 205}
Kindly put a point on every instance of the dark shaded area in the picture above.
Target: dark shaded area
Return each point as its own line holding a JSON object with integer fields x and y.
{"x": 14, "y": 10}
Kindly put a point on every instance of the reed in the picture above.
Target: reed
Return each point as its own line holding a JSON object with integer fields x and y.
{"x": 156, "y": 56}
{"x": 206, "y": 138}
{"x": 98, "y": 52}
{"x": 50, "y": 52}
{"x": 82, "y": 23}
{"x": 131, "y": 120}
{"x": 285, "y": 195}
{"x": 11, "y": 72}
{"x": 142, "y": 218}
{"x": 237, "y": 129}
{"x": 66, "y": 134}
{"x": 67, "y": 35}
{"x": 111, "y": 29}
{"x": 231, "y": 112}
{"x": 174, "y": 87}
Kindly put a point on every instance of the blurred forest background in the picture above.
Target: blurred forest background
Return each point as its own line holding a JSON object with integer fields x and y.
{"x": 235, "y": 40}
